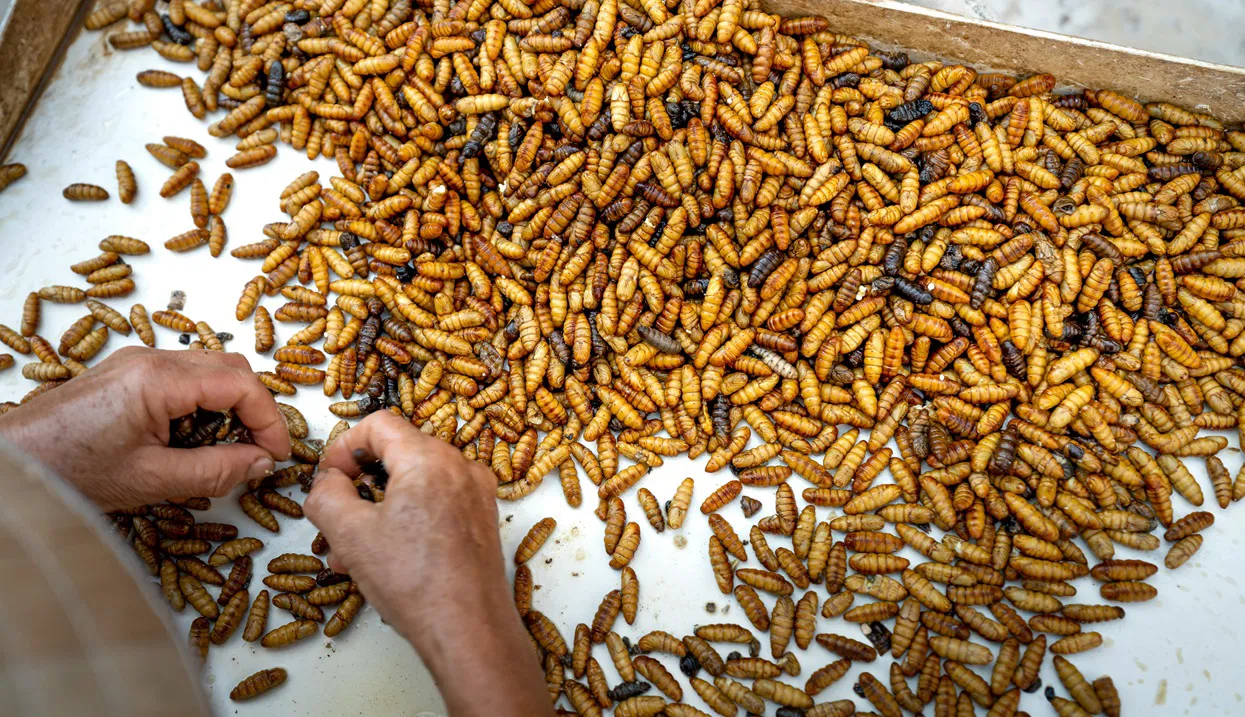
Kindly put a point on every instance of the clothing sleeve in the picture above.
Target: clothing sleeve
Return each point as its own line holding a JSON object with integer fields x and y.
{"x": 81, "y": 631}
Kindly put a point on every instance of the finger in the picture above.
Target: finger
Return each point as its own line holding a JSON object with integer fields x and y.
{"x": 334, "y": 504}
{"x": 335, "y": 562}
{"x": 216, "y": 358}
{"x": 214, "y": 381}
{"x": 388, "y": 437}
{"x": 340, "y": 454}
{"x": 236, "y": 360}
{"x": 208, "y": 471}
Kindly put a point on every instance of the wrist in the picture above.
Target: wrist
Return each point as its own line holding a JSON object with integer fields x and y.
{"x": 437, "y": 623}
{"x": 485, "y": 634}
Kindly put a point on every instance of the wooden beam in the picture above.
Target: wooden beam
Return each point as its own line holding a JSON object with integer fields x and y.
{"x": 31, "y": 48}
{"x": 990, "y": 46}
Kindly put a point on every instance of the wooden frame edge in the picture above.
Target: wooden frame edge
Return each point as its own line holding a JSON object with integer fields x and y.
{"x": 31, "y": 49}
{"x": 993, "y": 46}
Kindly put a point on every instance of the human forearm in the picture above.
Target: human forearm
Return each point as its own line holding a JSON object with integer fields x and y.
{"x": 429, "y": 560}
{"x": 482, "y": 660}
{"x": 75, "y": 623}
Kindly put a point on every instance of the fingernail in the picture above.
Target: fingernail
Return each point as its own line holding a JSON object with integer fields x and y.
{"x": 261, "y": 468}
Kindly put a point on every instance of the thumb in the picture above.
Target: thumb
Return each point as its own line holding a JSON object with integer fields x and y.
{"x": 334, "y": 506}
{"x": 208, "y": 471}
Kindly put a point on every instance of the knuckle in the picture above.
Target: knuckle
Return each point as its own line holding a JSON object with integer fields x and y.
{"x": 212, "y": 479}
{"x": 319, "y": 514}
{"x": 319, "y": 504}
{"x": 312, "y": 505}
{"x": 311, "y": 508}
{"x": 443, "y": 451}
{"x": 255, "y": 389}
{"x": 387, "y": 420}
{"x": 376, "y": 418}
{"x": 482, "y": 478}
{"x": 337, "y": 563}
{"x": 237, "y": 360}
{"x": 130, "y": 353}
{"x": 343, "y": 536}
{"x": 139, "y": 359}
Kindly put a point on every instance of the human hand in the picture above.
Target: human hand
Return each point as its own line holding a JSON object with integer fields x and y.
{"x": 107, "y": 431}
{"x": 428, "y": 558}
{"x": 434, "y": 534}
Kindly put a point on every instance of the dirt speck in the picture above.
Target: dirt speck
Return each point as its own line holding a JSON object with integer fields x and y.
{"x": 680, "y": 542}
{"x": 711, "y": 607}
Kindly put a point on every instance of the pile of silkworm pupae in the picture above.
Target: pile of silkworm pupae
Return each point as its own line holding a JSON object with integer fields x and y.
{"x": 668, "y": 228}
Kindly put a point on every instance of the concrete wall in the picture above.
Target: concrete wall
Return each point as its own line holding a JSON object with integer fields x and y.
{"x": 1202, "y": 29}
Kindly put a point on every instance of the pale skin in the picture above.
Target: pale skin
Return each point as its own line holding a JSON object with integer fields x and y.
{"x": 428, "y": 558}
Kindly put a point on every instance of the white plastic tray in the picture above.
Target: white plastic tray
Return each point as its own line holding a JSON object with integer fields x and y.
{"x": 1176, "y": 655}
